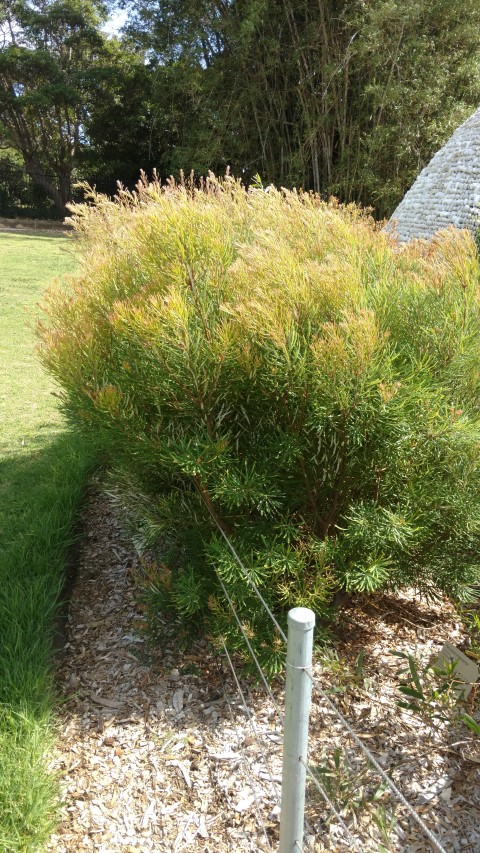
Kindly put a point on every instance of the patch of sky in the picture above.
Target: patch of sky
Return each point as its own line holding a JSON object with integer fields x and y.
{"x": 115, "y": 23}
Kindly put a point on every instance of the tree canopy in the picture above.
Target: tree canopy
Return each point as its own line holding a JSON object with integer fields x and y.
{"x": 54, "y": 64}
{"x": 349, "y": 98}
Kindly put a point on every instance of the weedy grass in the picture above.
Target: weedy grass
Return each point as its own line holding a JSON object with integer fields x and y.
{"x": 43, "y": 470}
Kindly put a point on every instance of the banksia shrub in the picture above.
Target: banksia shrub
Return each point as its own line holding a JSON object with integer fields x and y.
{"x": 273, "y": 368}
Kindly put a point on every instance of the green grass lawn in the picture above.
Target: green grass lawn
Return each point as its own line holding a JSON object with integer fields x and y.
{"x": 43, "y": 470}
{"x": 28, "y": 413}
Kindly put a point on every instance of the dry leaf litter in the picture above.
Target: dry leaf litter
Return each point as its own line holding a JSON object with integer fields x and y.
{"x": 158, "y": 751}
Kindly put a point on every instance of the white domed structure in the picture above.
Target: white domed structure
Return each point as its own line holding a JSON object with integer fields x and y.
{"x": 447, "y": 191}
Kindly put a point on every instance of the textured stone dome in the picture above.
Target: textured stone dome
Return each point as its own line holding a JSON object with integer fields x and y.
{"x": 447, "y": 191}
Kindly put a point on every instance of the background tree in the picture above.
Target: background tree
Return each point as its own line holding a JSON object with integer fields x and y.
{"x": 349, "y": 97}
{"x": 53, "y": 65}
{"x": 418, "y": 72}
{"x": 120, "y": 136}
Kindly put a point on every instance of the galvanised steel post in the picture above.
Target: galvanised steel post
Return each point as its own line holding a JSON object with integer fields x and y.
{"x": 298, "y": 692}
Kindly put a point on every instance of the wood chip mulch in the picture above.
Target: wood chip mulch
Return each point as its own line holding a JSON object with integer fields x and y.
{"x": 156, "y": 750}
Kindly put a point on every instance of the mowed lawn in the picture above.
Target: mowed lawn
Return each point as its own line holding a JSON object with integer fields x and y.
{"x": 43, "y": 471}
{"x": 28, "y": 411}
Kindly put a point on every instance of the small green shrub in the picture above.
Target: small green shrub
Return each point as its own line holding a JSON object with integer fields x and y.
{"x": 434, "y": 693}
{"x": 273, "y": 366}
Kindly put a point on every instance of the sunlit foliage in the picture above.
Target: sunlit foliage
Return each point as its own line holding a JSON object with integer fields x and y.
{"x": 264, "y": 364}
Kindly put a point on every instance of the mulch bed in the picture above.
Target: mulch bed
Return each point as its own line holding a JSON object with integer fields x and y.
{"x": 156, "y": 749}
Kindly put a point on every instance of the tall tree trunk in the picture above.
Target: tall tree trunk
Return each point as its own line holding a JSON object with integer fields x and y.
{"x": 59, "y": 192}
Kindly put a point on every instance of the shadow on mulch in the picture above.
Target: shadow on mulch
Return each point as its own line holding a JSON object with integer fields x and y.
{"x": 358, "y": 624}
{"x": 72, "y": 563}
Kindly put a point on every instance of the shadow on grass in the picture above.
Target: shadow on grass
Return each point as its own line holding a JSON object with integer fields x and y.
{"x": 28, "y": 231}
{"x": 40, "y": 499}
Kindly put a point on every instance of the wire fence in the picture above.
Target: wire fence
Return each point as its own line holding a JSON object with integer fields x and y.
{"x": 334, "y": 818}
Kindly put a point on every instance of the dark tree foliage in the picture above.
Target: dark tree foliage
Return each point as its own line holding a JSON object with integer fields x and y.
{"x": 67, "y": 92}
{"x": 350, "y": 97}
{"x": 119, "y": 122}
{"x": 48, "y": 51}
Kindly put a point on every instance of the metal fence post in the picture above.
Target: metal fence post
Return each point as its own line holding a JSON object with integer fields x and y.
{"x": 298, "y": 691}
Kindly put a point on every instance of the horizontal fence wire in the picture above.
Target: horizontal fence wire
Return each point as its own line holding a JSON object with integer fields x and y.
{"x": 258, "y": 809}
{"x": 248, "y": 578}
{"x": 435, "y": 842}
{"x": 252, "y": 652}
{"x": 247, "y": 574}
{"x": 255, "y": 731}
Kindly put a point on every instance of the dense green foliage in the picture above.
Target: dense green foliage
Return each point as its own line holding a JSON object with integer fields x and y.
{"x": 348, "y": 98}
{"x": 274, "y": 368}
{"x": 58, "y": 72}
{"x": 42, "y": 477}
